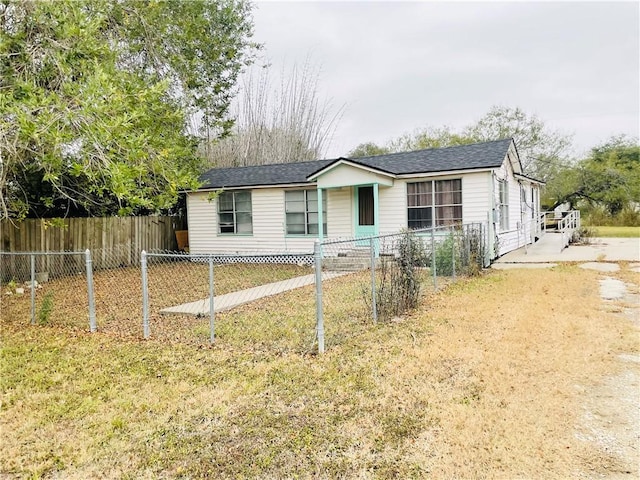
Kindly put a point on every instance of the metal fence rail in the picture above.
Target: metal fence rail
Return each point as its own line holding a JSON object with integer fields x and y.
{"x": 181, "y": 286}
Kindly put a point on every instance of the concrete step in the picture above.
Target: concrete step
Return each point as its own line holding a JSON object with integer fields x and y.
{"x": 345, "y": 264}
{"x": 355, "y": 253}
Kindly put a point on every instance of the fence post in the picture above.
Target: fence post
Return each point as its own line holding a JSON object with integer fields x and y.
{"x": 145, "y": 295}
{"x": 212, "y": 313}
{"x": 433, "y": 259}
{"x": 33, "y": 289}
{"x": 374, "y": 305}
{"x": 453, "y": 252}
{"x": 466, "y": 239}
{"x": 317, "y": 254}
{"x": 90, "y": 296}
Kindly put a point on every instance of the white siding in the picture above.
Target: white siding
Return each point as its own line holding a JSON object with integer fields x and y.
{"x": 479, "y": 198}
{"x": 202, "y": 221}
{"x": 476, "y": 197}
{"x": 393, "y": 207}
{"x": 476, "y": 202}
{"x": 339, "y": 213}
{"x": 347, "y": 175}
{"x": 268, "y": 224}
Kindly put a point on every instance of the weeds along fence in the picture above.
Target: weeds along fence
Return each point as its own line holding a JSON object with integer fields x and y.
{"x": 278, "y": 301}
{"x": 382, "y": 277}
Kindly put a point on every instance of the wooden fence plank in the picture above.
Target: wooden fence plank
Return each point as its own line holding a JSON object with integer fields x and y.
{"x": 116, "y": 240}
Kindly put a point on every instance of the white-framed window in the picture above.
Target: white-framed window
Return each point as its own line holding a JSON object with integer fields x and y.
{"x": 434, "y": 203}
{"x": 234, "y": 212}
{"x": 503, "y": 205}
{"x": 301, "y": 212}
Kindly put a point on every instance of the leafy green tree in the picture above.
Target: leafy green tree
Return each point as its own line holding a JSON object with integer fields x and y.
{"x": 430, "y": 137}
{"x": 368, "y": 149}
{"x": 542, "y": 151}
{"x": 96, "y": 96}
{"x": 608, "y": 177}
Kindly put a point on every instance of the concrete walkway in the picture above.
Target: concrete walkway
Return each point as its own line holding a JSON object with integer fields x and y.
{"x": 547, "y": 251}
{"x": 235, "y": 299}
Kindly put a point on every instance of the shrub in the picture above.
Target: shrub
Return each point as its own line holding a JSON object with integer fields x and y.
{"x": 446, "y": 253}
{"x": 583, "y": 235}
{"x": 598, "y": 215}
{"x": 461, "y": 252}
{"x": 628, "y": 217}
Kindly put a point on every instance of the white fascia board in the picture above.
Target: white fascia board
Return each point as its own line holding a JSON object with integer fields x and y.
{"x": 254, "y": 187}
{"x": 445, "y": 173}
{"x": 513, "y": 152}
{"x": 350, "y": 164}
{"x": 519, "y": 176}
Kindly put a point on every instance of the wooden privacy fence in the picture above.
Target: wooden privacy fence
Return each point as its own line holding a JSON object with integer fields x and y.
{"x": 113, "y": 241}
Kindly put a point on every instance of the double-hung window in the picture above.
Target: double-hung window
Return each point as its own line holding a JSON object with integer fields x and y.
{"x": 234, "y": 212}
{"x": 301, "y": 211}
{"x": 503, "y": 205}
{"x": 434, "y": 203}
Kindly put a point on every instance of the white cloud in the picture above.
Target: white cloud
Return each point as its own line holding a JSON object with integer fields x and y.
{"x": 399, "y": 66}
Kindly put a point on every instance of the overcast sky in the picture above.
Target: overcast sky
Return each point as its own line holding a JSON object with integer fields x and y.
{"x": 398, "y": 66}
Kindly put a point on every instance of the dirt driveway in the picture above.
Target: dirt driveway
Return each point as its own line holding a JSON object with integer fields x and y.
{"x": 610, "y": 419}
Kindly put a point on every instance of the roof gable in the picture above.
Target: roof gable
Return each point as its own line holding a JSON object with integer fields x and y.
{"x": 350, "y": 163}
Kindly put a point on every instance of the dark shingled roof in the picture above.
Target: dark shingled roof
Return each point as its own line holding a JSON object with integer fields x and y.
{"x": 464, "y": 157}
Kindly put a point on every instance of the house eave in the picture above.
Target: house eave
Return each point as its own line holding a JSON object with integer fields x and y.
{"x": 520, "y": 176}
{"x": 252, "y": 187}
{"x": 442, "y": 173}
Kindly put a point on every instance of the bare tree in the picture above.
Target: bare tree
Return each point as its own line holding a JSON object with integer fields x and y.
{"x": 288, "y": 123}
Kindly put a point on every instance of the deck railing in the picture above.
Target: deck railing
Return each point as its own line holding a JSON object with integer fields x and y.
{"x": 567, "y": 226}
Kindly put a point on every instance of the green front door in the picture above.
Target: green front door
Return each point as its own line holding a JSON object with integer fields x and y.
{"x": 365, "y": 225}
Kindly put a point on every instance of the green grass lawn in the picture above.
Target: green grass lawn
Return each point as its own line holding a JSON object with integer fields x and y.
{"x": 620, "y": 232}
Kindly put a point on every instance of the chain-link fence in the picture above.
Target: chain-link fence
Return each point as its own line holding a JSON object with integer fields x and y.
{"x": 279, "y": 301}
{"x": 72, "y": 290}
{"x": 406, "y": 267}
{"x": 48, "y": 288}
{"x": 262, "y": 300}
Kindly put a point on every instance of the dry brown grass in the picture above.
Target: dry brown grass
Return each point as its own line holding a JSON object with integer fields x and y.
{"x": 118, "y": 294}
{"x": 484, "y": 381}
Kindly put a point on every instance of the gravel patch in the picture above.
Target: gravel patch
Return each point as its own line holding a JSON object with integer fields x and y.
{"x": 612, "y": 289}
{"x": 611, "y": 411}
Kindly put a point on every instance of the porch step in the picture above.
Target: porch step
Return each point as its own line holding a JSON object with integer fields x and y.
{"x": 363, "y": 252}
{"x": 346, "y": 264}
